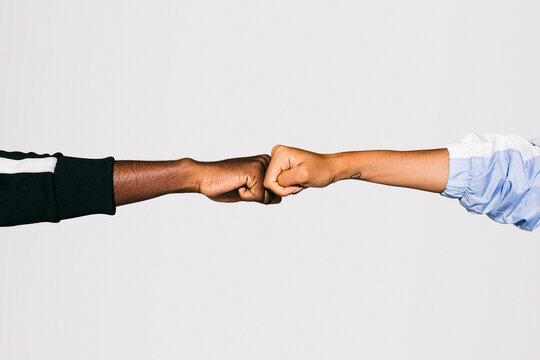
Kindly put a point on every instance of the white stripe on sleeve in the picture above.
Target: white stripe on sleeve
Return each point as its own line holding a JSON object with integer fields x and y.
{"x": 9, "y": 166}
{"x": 484, "y": 145}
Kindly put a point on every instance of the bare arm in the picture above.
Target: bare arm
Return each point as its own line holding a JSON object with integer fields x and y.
{"x": 42, "y": 187}
{"x": 422, "y": 169}
{"x": 293, "y": 169}
{"x": 141, "y": 180}
{"x": 228, "y": 180}
{"x": 493, "y": 174}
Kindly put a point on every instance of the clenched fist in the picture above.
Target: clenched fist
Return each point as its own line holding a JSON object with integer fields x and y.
{"x": 239, "y": 179}
{"x": 292, "y": 170}
{"x": 231, "y": 180}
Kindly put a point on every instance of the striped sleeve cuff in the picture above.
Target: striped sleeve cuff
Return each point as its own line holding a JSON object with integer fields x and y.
{"x": 471, "y": 156}
{"x": 497, "y": 175}
{"x": 84, "y": 186}
{"x": 459, "y": 175}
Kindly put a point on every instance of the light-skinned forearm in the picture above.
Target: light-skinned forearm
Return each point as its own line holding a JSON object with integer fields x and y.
{"x": 421, "y": 169}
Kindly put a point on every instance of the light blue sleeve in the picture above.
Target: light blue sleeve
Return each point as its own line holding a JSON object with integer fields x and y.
{"x": 497, "y": 175}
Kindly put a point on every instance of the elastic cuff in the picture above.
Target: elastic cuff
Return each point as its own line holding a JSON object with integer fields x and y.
{"x": 459, "y": 174}
{"x": 84, "y": 186}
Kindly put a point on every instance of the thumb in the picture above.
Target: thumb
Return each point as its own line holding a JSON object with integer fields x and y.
{"x": 292, "y": 177}
{"x": 291, "y": 180}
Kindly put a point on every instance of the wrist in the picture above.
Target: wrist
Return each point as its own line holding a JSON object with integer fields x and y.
{"x": 188, "y": 176}
{"x": 341, "y": 165}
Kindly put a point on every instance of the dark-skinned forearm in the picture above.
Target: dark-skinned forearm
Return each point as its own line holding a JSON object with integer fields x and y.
{"x": 141, "y": 180}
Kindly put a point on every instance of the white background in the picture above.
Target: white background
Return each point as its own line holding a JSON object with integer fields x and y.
{"x": 352, "y": 271}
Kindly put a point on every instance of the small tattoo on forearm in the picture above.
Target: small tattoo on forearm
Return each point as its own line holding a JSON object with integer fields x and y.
{"x": 357, "y": 176}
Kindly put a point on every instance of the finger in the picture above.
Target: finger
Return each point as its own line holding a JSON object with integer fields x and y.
{"x": 251, "y": 194}
{"x": 271, "y": 198}
{"x": 265, "y": 159}
{"x": 230, "y": 196}
{"x": 290, "y": 190}
{"x": 253, "y": 189}
{"x": 267, "y": 197}
{"x": 274, "y": 199}
{"x": 276, "y": 188}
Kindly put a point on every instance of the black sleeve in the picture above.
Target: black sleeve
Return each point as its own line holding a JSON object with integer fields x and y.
{"x": 36, "y": 188}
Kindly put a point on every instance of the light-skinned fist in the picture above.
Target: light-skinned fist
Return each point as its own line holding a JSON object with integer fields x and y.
{"x": 291, "y": 170}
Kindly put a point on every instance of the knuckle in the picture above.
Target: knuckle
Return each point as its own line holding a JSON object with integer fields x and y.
{"x": 255, "y": 165}
{"x": 277, "y": 148}
{"x": 265, "y": 158}
{"x": 263, "y": 165}
{"x": 260, "y": 168}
